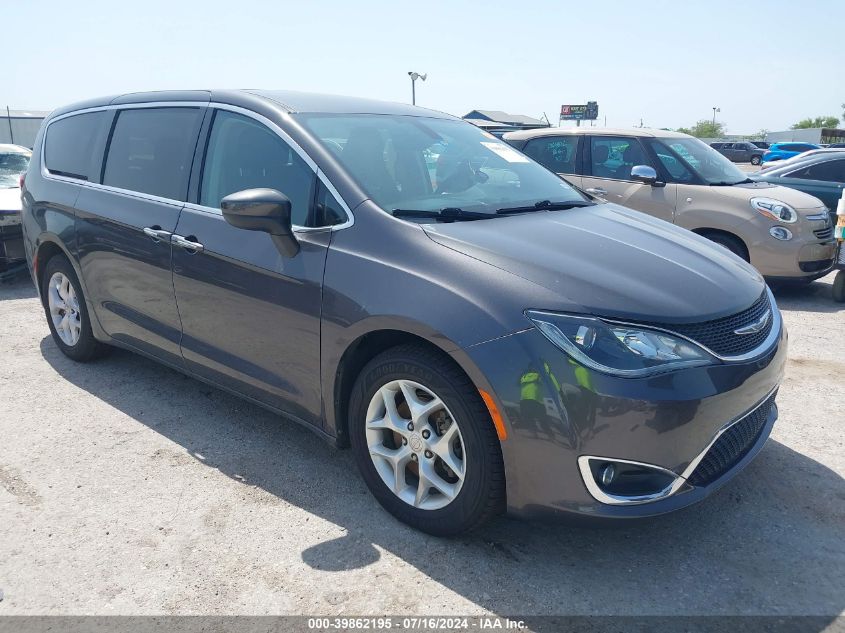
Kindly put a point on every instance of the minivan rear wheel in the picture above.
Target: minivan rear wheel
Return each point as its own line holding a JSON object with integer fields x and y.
{"x": 67, "y": 314}
{"x": 424, "y": 442}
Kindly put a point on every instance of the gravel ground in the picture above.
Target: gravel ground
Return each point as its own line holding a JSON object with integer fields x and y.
{"x": 127, "y": 488}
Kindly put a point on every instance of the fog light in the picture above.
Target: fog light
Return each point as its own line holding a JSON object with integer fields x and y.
{"x": 780, "y": 233}
{"x": 606, "y": 475}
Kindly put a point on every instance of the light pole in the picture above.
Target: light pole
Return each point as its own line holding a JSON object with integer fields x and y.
{"x": 715, "y": 110}
{"x": 414, "y": 76}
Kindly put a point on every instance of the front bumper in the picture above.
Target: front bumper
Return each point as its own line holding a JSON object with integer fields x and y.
{"x": 807, "y": 256}
{"x": 667, "y": 420}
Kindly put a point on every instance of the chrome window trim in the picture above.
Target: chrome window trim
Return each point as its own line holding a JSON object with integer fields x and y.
{"x": 45, "y": 173}
{"x": 599, "y": 495}
{"x": 758, "y": 351}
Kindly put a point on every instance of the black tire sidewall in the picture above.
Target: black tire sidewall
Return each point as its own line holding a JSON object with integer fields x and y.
{"x": 838, "y": 289}
{"x": 756, "y": 158}
{"x": 730, "y": 243}
{"x": 87, "y": 346}
{"x": 465, "y": 510}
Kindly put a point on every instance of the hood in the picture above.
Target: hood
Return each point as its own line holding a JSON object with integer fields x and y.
{"x": 798, "y": 200}
{"x": 10, "y": 199}
{"x": 611, "y": 261}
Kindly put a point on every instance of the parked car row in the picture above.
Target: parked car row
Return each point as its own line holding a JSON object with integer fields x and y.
{"x": 486, "y": 335}
{"x": 785, "y": 234}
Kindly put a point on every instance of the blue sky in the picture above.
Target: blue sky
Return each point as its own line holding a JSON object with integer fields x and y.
{"x": 765, "y": 64}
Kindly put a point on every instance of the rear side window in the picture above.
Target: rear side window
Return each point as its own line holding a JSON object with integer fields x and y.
{"x": 244, "y": 154}
{"x": 832, "y": 171}
{"x": 556, "y": 153}
{"x": 151, "y": 150}
{"x": 69, "y": 146}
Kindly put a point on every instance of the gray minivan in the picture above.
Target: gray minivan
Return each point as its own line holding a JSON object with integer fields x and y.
{"x": 482, "y": 335}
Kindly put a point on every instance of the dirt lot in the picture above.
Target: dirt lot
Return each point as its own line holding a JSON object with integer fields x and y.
{"x": 128, "y": 488}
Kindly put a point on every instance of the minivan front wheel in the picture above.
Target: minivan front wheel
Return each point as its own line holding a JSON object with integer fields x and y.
{"x": 424, "y": 442}
{"x": 730, "y": 242}
{"x": 67, "y": 314}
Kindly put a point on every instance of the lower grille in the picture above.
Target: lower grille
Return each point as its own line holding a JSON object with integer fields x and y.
{"x": 815, "y": 266}
{"x": 825, "y": 233}
{"x": 732, "y": 445}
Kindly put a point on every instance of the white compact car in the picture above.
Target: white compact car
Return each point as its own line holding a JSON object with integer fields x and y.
{"x": 14, "y": 161}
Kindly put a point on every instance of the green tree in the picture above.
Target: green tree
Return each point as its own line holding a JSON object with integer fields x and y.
{"x": 705, "y": 129}
{"x": 819, "y": 121}
{"x": 761, "y": 135}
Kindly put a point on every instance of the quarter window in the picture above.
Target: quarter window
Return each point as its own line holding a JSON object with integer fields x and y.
{"x": 151, "y": 150}
{"x": 678, "y": 172}
{"x": 244, "y": 154}
{"x": 328, "y": 210}
{"x": 69, "y": 146}
{"x": 614, "y": 157}
{"x": 556, "y": 153}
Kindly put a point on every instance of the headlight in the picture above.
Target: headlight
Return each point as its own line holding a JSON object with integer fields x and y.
{"x": 621, "y": 350}
{"x": 774, "y": 209}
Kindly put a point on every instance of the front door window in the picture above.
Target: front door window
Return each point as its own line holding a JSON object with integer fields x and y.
{"x": 614, "y": 157}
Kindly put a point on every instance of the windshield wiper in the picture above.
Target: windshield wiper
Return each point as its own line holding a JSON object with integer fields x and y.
{"x": 546, "y": 205}
{"x": 448, "y": 214}
{"x": 725, "y": 183}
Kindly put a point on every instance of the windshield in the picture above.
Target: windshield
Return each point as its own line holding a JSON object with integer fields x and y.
{"x": 428, "y": 164}
{"x": 12, "y": 165}
{"x": 706, "y": 162}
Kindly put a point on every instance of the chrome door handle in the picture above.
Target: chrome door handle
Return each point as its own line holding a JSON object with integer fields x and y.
{"x": 157, "y": 233}
{"x": 188, "y": 243}
{"x": 597, "y": 191}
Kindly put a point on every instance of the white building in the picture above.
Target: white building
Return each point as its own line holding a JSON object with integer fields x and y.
{"x": 20, "y": 126}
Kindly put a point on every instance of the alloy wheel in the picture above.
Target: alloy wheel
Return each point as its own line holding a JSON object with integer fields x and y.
{"x": 415, "y": 444}
{"x": 64, "y": 309}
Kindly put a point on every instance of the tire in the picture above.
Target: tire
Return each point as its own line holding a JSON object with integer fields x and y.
{"x": 474, "y": 449}
{"x": 733, "y": 244}
{"x": 76, "y": 340}
{"x": 756, "y": 160}
{"x": 839, "y": 287}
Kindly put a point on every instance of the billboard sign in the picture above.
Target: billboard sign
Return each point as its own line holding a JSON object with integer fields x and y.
{"x": 588, "y": 111}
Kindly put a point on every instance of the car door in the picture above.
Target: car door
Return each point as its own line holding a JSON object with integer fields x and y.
{"x": 607, "y": 173}
{"x": 251, "y": 316}
{"x": 559, "y": 154}
{"x": 124, "y": 222}
{"x": 824, "y": 180}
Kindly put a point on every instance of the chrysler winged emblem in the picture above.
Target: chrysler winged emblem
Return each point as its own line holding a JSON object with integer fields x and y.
{"x": 756, "y": 326}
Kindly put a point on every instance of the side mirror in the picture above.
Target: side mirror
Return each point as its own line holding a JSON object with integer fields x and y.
{"x": 265, "y": 210}
{"x": 646, "y": 175}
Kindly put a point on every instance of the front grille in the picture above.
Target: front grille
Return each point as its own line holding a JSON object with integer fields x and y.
{"x": 732, "y": 445}
{"x": 825, "y": 233}
{"x": 719, "y": 335}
